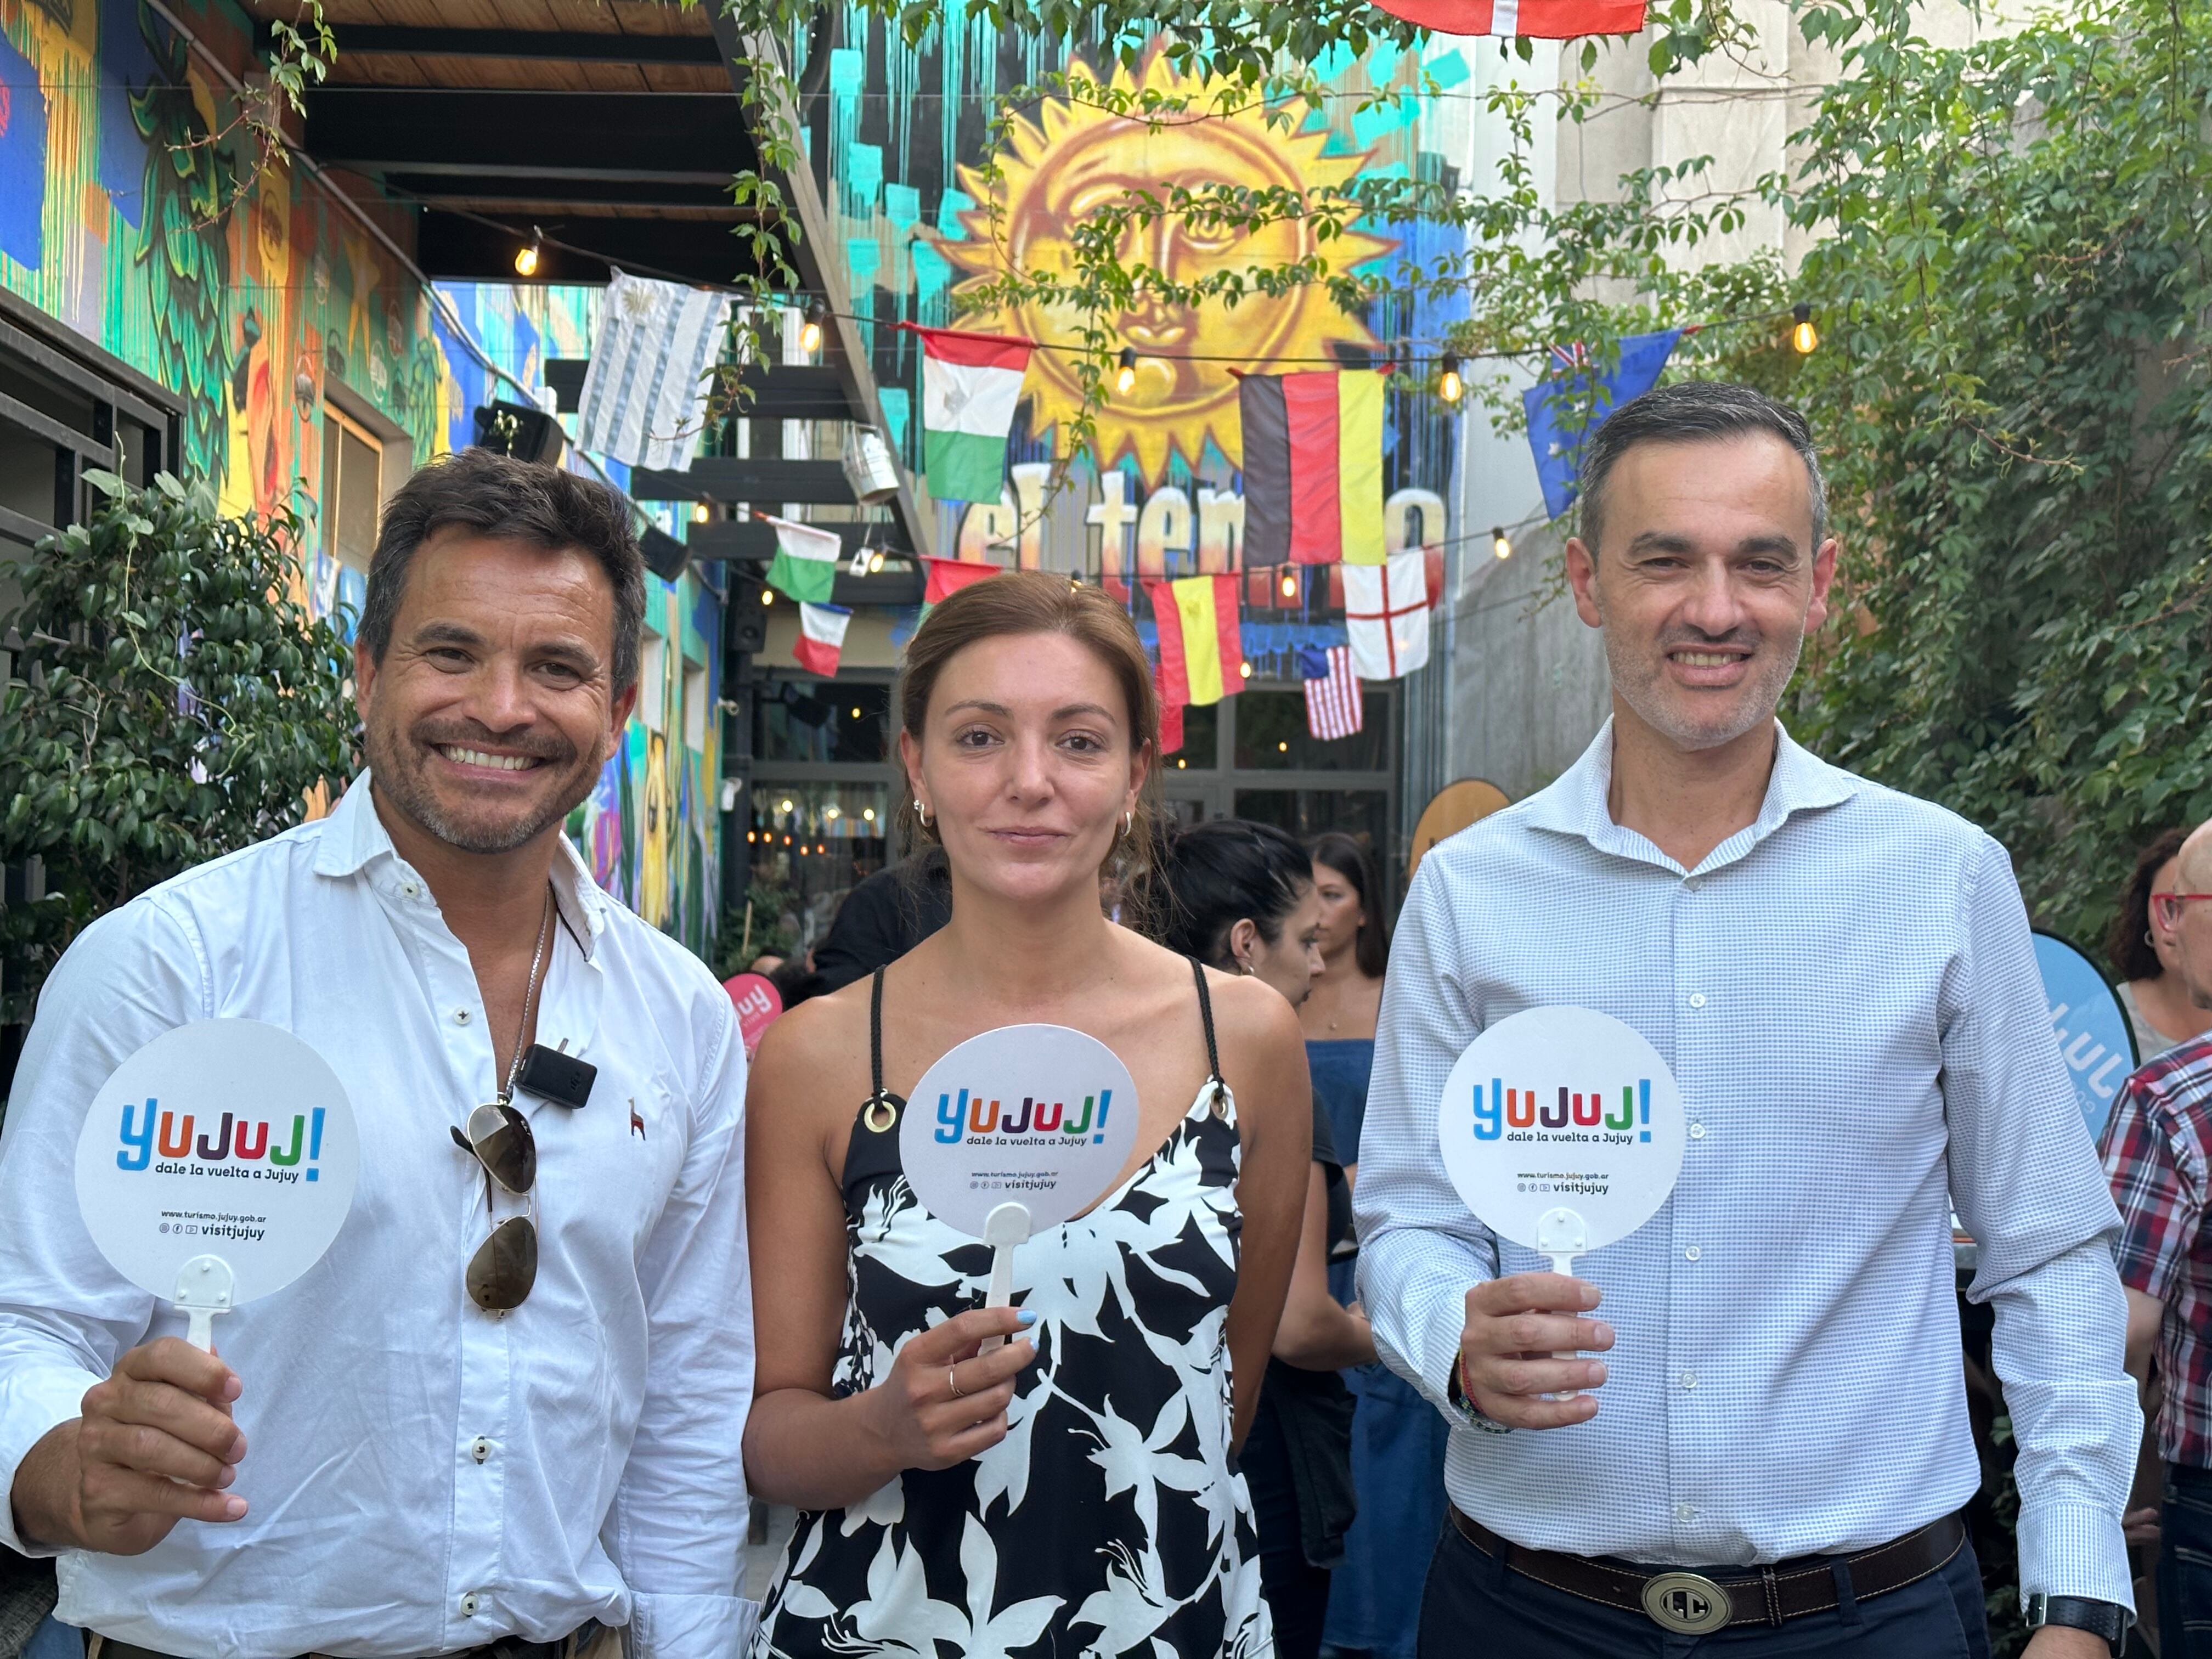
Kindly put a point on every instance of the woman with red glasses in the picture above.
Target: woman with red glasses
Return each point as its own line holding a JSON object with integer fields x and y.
{"x": 2142, "y": 949}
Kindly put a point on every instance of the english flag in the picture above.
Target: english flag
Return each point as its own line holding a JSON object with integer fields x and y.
{"x": 1333, "y": 706}
{"x": 1539, "y": 19}
{"x": 1386, "y": 612}
{"x": 821, "y": 639}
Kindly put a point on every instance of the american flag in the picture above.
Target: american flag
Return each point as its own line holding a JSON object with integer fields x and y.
{"x": 1333, "y": 706}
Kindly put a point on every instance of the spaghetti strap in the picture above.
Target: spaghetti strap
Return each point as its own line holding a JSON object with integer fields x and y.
{"x": 1205, "y": 1015}
{"x": 880, "y": 1110}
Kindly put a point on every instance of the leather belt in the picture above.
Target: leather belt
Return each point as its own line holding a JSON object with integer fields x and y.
{"x": 508, "y": 1647}
{"x": 1695, "y": 1603}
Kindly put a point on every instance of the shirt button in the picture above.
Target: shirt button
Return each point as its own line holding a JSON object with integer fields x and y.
{"x": 1692, "y": 1254}
{"x": 1697, "y": 999}
{"x": 460, "y": 1016}
{"x": 1684, "y": 1512}
{"x": 470, "y": 1603}
{"x": 480, "y": 1449}
{"x": 1696, "y": 1132}
{"x": 1692, "y": 883}
{"x": 410, "y": 890}
{"x": 1689, "y": 1379}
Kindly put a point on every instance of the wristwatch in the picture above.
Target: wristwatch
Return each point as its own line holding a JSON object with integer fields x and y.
{"x": 2106, "y": 1619}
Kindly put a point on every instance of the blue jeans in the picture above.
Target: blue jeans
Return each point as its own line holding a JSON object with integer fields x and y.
{"x": 2184, "y": 1565}
{"x": 55, "y": 1640}
{"x": 1473, "y": 1604}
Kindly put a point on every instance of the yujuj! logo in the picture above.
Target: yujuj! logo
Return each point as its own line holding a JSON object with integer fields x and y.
{"x": 170, "y": 1137}
{"x": 1570, "y": 1114}
{"x": 972, "y": 1117}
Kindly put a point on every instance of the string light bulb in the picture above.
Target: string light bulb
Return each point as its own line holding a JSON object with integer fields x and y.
{"x": 768, "y": 596}
{"x": 526, "y": 258}
{"x": 701, "y": 512}
{"x": 1125, "y": 378}
{"x": 1804, "y": 338}
{"x": 1290, "y": 585}
{"x": 1245, "y": 669}
{"x": 1449, "y": 387}
{"x": 1500, "y": 543}
{"x": 810, "y": 332}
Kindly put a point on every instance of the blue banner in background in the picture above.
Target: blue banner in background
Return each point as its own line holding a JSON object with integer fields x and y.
{"x": 2095, "y": 1038}
{"x": 1560, "y": 455}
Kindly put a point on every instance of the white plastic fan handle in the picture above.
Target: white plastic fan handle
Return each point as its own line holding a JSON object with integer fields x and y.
{"x": 204, "y": 1288}
{"x": 1004, "y": 1227}
{"x": 1562, "y": 1236}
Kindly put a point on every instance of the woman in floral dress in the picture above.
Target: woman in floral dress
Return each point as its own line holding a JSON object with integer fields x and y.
{"x": 1072, "y": 1493}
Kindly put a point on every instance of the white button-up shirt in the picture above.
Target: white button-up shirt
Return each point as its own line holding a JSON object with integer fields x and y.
{"x": 1847, "y": 993}
{"x": 423, "y": 1476}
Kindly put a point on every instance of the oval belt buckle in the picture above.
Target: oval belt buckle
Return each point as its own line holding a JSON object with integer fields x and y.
{"x": 1687, "y": 1603}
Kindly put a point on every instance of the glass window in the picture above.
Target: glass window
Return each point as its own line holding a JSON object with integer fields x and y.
{"x": 809, "y": 845}
{"x": 1201, "y": 740}
{"x": 1364, "y": 813}
{"x": 1272, "y": 735}
{"x": 352, "y": 462}
{"x": 842, "y": 720}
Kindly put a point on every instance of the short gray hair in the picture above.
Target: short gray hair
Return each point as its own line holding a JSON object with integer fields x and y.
{"x": 1689, "y": 412}
{"x": 501, "y": 497}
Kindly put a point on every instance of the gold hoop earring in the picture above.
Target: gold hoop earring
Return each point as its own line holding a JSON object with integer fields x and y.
{"x": 922, "y": 811}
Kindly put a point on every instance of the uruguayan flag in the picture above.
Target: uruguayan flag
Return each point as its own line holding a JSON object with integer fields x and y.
{"x": 645, "y": 394}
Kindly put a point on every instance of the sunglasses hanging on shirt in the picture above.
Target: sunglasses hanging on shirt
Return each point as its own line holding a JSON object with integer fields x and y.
{"x": 504, "y": 1266}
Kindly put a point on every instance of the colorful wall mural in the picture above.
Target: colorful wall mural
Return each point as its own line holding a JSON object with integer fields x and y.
{"x": 121, "y": 217}
{"x": 905, "y": 134}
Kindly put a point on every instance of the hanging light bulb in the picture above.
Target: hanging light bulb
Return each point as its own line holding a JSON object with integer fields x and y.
{"x": 1804, "y": 338}
{"x": 1245, "y": 669}
{"x": 701, "y": 512}
{"x": 768, "y": 596}
{"x": 1290, "y": 585}
{"x": 1499, "y": 543}
{"x": 875, "y": 564}
{"x": 810, "y": 333}
{"x": 526, "y": 258}
{"x": 1449, "y": 387}
{"x": 1125, "y": 378}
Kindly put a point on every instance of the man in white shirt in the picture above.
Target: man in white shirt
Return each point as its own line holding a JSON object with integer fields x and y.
{"x": 1761, "y": 1447}
{"x": 499, "y": 1417}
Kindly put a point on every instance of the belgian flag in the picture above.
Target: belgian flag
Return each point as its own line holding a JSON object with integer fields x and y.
{"x": 1313, "y": 467}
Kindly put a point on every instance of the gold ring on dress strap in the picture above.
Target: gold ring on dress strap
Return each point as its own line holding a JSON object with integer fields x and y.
{"x": 878, "y": 1124}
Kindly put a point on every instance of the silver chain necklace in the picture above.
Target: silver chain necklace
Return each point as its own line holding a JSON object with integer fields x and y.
{"x": 529, "y": 1000}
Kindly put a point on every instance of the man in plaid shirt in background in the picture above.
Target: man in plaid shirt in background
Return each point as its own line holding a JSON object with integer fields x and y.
{"x": 2158, "y": 1151}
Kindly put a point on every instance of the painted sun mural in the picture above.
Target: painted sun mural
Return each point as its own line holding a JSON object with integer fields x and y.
{"x": 1074, "y": 159}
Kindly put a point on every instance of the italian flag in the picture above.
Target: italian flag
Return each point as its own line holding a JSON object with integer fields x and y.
{"x": 805, "y": 563}
{"x": 821, "y": 639}
{"x": 969, "y": 385}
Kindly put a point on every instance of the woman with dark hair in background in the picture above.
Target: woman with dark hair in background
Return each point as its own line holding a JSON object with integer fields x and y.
{"x": 2143, "y": 955}
{"x": 1397, "y": 1437}
{"x": 1074, "y": 1491}
{"x": 1240, "y": 897}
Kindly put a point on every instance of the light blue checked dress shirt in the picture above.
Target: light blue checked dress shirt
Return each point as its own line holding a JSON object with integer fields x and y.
{"x": 1847, "y": 993}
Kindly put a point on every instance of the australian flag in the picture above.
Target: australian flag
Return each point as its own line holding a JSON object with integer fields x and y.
{"x": 1551, "y": 404}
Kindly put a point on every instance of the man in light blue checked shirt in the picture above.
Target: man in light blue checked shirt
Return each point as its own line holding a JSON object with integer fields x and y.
{"x": 1771, "y": 1454}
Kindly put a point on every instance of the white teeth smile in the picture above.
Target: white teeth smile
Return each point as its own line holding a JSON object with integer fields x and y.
{"x": 477, "y": 757}
{"x": 1704, "y": 658}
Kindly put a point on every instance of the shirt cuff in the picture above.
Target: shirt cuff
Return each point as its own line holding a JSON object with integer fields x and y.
{"x": 2073, "y": 1549}
{"x": 33, "y": 1403}
{"x": 685, "y": 1626}
{"x": 1433, "y": 1371}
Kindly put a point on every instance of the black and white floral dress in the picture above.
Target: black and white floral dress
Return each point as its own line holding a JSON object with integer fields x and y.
{"x": 1110, "y": 1519}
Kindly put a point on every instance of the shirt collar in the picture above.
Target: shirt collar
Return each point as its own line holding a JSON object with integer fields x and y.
{"x": 354, "y": 840}
{"x": 1575, "y": 804}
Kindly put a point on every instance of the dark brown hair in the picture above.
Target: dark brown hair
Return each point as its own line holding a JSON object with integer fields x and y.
{"x": 1348, "y": 856}
{"x": 2128, "y": 945}
{"x": 1016, "y": 602}
{"x": 507, "y": 500}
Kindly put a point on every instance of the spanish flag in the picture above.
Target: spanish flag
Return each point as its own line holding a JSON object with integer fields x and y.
{"x": 1313, "y": 467}
{"x": 1201, "y": 651}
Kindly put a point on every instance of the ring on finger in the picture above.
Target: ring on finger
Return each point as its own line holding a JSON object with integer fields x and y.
{"x": 952, "y": 1381}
